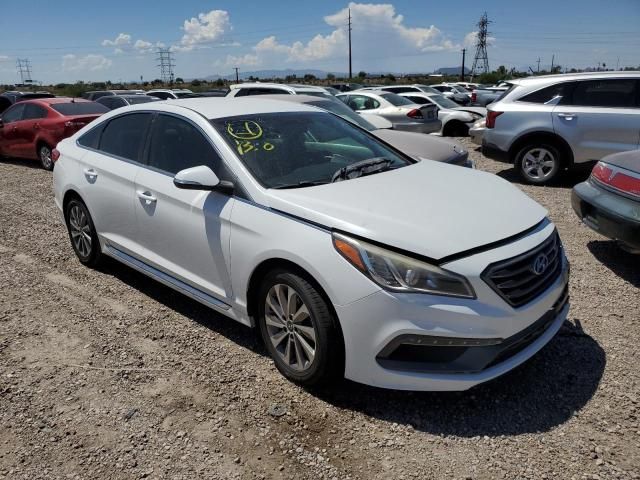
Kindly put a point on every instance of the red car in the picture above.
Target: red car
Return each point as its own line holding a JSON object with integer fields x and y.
{"x": 32, "y": 128}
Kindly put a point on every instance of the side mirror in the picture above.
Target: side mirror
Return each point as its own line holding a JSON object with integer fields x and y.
{"x": 201, "y": 178}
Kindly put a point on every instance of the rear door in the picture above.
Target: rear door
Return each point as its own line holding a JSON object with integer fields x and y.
{"x": 184, "y": 233}
{"x": 10, "y": 142}
{"x": 599, "y": 117}
{"x": 108, "y": 172}
{"x": 30, "y": 128}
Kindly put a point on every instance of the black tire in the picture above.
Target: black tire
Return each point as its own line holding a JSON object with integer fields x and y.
{"x": 328, "y": 361}
{"x": 548, "y": 168}
{"x": 73, "y": 216}
{"x": 44, "y": 155}
{"x": 456, "y": 129}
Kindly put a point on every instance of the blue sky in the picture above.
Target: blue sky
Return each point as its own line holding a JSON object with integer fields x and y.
{"x": 69, "y": 40}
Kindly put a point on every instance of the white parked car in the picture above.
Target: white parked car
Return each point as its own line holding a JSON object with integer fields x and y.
{"x": 169, "y": 94}
{"x": 402, "y": 113}
{"x": 259, "y": 88}
{"x": 351, "y": 258}
{"x": 456, "y": 120}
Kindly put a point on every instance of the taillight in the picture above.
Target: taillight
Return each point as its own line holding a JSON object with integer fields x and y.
{"x": 55, "y": 155}
{"x": 415, "y": 113}
{"x": 474, "y": 97}
{"x": 74, "y": 125}
{"x": 491, "y": 118}
{"x": 614, "y": 177}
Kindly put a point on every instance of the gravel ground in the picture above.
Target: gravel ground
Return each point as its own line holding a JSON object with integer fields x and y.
{"x": 107, "y": 374}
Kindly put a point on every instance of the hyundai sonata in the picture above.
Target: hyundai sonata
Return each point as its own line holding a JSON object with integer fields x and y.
{"x": 351, "y": 258}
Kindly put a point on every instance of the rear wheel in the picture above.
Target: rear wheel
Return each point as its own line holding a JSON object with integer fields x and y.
{"x": 298, "y": 329}
{"x": 538, "y": 163}
{"x": 82, "y": 233}
{"x": 44, "y": 154}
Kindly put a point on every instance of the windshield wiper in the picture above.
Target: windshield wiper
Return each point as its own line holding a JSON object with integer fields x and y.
{"x": 362, "y": 168}
{"x": 298, "y": 185}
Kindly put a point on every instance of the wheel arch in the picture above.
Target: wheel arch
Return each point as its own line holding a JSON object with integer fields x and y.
{"x": 551, "y": 137}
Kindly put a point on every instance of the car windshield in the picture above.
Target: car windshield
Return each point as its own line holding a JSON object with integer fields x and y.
{"x": 427, "y": 89}
{"x": 297, "y": 149}
{"x": 396, "y": 100}
{"x": 443, "y": 102}
{"x": 340, "y": 109}
{"x": 79, "y": 108}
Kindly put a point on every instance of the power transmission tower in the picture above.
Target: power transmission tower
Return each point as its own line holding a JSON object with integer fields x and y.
{"x": 481, "y": 60}
{"x": 350, "y": 70}
{"x": 165, "y": 59}
{"x": 24, "y": 70}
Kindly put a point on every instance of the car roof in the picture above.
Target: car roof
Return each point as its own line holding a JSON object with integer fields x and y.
{"x": 372, "y": 91}
{"x": 563, "y": 77}
{"x": 56, "y": 100}
{"x": 220, "y": 107}
{"x": 282, "y": 86}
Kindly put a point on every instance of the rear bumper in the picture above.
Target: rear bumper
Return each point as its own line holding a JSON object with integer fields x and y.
{"x": 608, "y": 213}
{"x": 419, "y": 127}
{"x": 494, "y": 152}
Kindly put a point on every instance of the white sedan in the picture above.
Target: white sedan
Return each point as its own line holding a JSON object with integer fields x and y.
{"x": 456, "y": 120}
{"x": 351, "y": 258}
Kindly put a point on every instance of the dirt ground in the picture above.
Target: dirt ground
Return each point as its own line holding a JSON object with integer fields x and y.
{"x": 109, "y": 375}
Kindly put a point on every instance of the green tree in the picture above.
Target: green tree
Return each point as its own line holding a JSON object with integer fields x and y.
{"x": 195, "y": 83}
{"x": 180, "y": 80}
{"x": 362, "y": 74}
{"x": 331, "y": 77}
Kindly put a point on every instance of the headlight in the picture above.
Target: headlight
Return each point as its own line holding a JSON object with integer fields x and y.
{"x": 399, "y": 273}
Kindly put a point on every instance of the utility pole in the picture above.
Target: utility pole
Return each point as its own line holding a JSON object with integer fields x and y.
{"x": 237, "y": 76}
{"x": 464, "y": 51}
{"x": 553, "y": 57}
{"x": 23, "y": 66}
{"x": 481, "y": 47}
{"x": 618, "y": 64}
{"x": 538, "y": 64}
{"x": 350, "y": 66}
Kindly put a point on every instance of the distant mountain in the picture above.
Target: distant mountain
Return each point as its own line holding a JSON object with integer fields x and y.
{"x": 267, "y": 74}
{"x": 452, "y": 70}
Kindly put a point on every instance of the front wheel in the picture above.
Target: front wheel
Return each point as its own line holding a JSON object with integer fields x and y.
{"x": 538, "y": 164}
{"x": 82, "y": 233}
{"x": 298, "y": 329}
{"x": 44, "y": 154}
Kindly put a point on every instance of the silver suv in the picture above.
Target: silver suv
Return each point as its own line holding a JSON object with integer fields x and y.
{"x": 548, "y": 124}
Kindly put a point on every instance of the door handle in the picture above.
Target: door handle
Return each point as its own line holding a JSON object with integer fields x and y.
{"x": 90, "y": 173}
{"x": 568, "y": 116}
{"x": 147, "y": 197}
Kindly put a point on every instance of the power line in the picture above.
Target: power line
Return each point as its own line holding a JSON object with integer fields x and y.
{"x": 481, "y": 47}
{"x": 165, "y": 57}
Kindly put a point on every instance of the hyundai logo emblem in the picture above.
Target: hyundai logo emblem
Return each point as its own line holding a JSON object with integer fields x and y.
{"x": 540, "y": 264}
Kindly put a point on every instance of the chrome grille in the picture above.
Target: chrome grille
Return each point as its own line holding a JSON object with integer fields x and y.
{"x": 521, "y": 279}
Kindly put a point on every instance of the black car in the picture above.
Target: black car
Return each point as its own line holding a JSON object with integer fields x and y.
{"x": 9, "y": 98}
{"x": 609, "y": 201}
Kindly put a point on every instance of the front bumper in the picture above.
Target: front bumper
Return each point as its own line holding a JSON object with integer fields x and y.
{"x": 476, "y": 132}
{"x": 419, "y": 127}
{"x": 609, "y": 214}
{"x": 371, "y": 324}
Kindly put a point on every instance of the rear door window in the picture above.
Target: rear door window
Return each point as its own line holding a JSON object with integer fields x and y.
{"x": 34, "y": 112}
{"x": 613, "y": 93}
{"x": 125, "y": 136}
{"x": 360, "y": 102}
{"x": 91, "y": 139}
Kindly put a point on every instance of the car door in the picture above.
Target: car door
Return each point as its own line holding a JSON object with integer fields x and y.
{"x": 30, "y": 127}
{"x": 108, "y": 172}
{"x": 599, "y": 117}
{"x": 10, "y": 141}
{"x": 185, "y": 233}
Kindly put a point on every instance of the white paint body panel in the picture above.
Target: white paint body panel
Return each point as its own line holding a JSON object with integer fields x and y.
{"x": 207, "y": 245}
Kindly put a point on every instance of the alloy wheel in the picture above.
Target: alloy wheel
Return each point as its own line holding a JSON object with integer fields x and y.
{"x": 539, "y": 164}
{"x": 290, "y": 327}
{"x": 80, "y": 230}
{"x": 45, "y": 157}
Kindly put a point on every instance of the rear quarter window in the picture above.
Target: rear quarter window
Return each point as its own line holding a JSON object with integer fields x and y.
{"x": 543, "y": 95}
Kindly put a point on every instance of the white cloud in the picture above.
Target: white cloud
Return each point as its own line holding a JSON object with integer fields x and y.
{"x": 3, "y": 58}
{"x": 471, "y": 38}
{"x": 88, "y": 63}
{"x": 378, "y": 32}
{"x": 121, "y": 40}
{"x": 205, "y": 28}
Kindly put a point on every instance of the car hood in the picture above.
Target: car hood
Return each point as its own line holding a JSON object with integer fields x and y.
{"x": 419, "y": 145}
{"x": 428, "y": 208}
